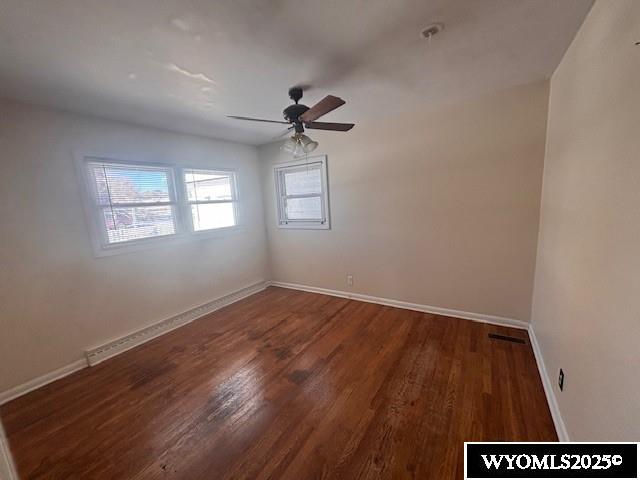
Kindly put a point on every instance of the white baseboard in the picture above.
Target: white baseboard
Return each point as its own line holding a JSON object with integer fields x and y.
{"x": 110, "y": 349}
{"x": 127, "y": 342}
{"x": 7, "y": 468}
{"x": 477, "y": 317}
{"x": 561, "y": 429}
{"x": 41, "y": 381}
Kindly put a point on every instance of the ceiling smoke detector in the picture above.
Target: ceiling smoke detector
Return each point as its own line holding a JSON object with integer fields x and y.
{"x": 431, "y": 30}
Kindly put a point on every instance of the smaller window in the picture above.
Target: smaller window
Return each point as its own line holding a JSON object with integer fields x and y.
{"x": 212, "y": 199}
{"x": 301, "y": 189}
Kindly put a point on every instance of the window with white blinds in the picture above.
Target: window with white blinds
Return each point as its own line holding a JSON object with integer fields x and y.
{"x": 301, "y": 188}
{"x": 212, "y": 198}
{"x": 133, "y": 203}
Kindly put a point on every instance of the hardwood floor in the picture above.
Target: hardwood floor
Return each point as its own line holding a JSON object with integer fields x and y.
{"x": 286, "y": 384}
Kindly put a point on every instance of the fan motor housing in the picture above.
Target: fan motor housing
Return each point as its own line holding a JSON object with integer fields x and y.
{"x": 293, "y": 112}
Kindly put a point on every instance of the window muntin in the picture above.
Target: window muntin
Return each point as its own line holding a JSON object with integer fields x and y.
{"x": 212, "y": 199}
{"x": 132, "y": 202}
{"x": 301, "y": 188}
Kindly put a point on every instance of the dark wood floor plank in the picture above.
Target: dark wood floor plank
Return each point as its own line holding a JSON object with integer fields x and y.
{"x": 286, "y": 384}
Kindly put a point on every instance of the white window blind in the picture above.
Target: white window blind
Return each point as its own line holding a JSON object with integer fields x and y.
{"x": 132, "y": 202}
{"x": 302, "y": 194}
{"x": 212, "y": 198}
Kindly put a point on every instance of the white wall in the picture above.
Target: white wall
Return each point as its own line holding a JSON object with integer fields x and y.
{"x": 57, "y": 299}
{"x": 586, "y": 302}
{"x": 437, "y": 207}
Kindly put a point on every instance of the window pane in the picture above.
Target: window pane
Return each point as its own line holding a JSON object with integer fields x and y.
{"x": 307, "y": 208}
{"x": 303, "y": 180}
{"x": 124, "y": 224}
{"x": 212, "y": 215}
{"x": 130, "y": 184}
{"x": 206, "y": 186}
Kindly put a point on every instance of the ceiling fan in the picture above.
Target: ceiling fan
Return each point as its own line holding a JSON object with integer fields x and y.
{"x": 299, "y": 117}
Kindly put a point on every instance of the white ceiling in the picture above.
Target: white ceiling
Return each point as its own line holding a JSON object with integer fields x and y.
{"x": 185, "y": 64}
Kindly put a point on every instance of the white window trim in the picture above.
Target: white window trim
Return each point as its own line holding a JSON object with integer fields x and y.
{"x": 302, "y": 224}
{"x": 184, "y": 229}
{"x": 185, "y": 205}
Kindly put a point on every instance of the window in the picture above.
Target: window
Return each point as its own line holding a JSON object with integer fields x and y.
{"x": 301, "y": 189}
{"x": 212, "y": 199}
{"x": 131, "y": 203}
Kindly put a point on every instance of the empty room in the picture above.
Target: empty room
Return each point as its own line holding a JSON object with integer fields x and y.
{"x": 277, "y": 239}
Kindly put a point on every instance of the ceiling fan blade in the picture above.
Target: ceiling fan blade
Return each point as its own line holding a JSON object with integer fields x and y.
{"x": 257, "y": 119}
{"x": 338, "y": 127}
{"x": 324, "y": 106}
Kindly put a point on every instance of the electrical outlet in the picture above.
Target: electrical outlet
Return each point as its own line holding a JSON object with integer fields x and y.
{"x": 561, "y": 380}
{"x": 350, "y": 280}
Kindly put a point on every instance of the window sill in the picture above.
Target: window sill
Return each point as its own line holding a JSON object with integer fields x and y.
{"x": 305, "y": 226}
{"x": 100, "y": 251}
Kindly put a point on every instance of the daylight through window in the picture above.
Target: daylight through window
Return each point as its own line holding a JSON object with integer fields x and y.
{"x": 302, "y": 194}
{"x": 211, "y": 196}
{"x": 132, "y": 202}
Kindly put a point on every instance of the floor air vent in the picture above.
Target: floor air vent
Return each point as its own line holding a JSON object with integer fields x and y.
{"x": 506, "y": 338}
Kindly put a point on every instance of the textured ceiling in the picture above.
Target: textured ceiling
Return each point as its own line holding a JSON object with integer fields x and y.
{"x": 185, "y": 64}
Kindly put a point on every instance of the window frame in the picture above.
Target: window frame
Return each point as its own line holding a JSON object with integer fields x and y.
{"x": 97, "y": 209}
{"x": 184, "y": 228}
{"x": 186, "y": 205}
{"x": 281, "y": 197}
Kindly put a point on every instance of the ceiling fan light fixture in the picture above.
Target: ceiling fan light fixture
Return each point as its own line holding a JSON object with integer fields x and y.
{"x": 309, "y": 146}
{"x": 299, "y": 150}
{"x": 299, "y": 144}
{"x": 289, "y": 145}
